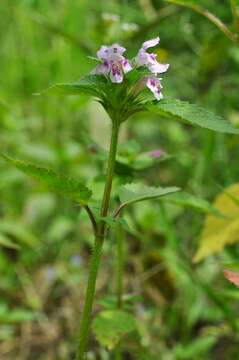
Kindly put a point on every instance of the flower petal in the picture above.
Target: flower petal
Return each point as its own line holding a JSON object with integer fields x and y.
{"x": 116, "y": 73}
{"x": 103, "y": 68}
{"x": 102, "y": 53}
{"x": 115, "y": 52}
{"x": 157, "y": 68}
{"x": 150, "y": 43}
{"x": 154, "y": 85}
{"x": 141, "y": 58}
{"x": 116, "y": 48}
{"x": 126, "y": 65}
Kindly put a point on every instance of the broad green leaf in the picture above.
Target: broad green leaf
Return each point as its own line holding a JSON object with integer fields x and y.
{"x": 187, "y": 200}
{"x": 135, "y": 192}
{"x": 92, "y": 85}
{"x": 110, "y": 326}
{"x": 192, "y": 114}
{"x": 69, "y": 187}
{"x": 8, "y": 243}
{"x": 218, "y": 232}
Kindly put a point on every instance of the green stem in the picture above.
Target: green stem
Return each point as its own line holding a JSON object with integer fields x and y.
{"x": 235, "y": 13}
{"x": 97, "y": 251}
{"x": 119, "y": 277}
{"x": 119, "y": 264}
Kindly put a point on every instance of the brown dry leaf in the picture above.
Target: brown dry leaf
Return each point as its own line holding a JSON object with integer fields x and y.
{"x": 232, "y": 276}
{"x": 218, "y": 232}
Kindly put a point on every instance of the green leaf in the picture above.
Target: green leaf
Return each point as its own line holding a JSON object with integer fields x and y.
{"x": 196, "y": 348}
{"x": 71, "y": 188}
{"x": 192, "y": 114}
{"x": 8, "y": 243}
{"x": 110, "y": 326}
{"x": 187, "y": 3}
{"x": 109, "y": 302}
{"x": 18, "y": 233}
{"x": 188, "y": 200}
{"x": 93, "y": 85}
{"x": 135, "y": 192}
{"x": 19, "y": 315}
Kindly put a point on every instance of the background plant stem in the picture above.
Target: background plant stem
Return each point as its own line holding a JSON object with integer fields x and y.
{"x": 119, "y": 276}
{"x": 119, "y": 264}
{"x": 96, "y": 255}
{"x": 235, "y": 13}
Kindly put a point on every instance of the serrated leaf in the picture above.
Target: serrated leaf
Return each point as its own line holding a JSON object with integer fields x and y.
{"x": 192, "y": 114}
{"x": 218, "y": 232}
{"x": 110, "y": 326}
{"x": 90, "y": 85}
{"x": 69, "y": 187}
{"x": 135, "y": 192}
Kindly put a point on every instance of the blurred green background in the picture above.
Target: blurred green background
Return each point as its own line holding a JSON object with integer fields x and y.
{"x": 184, "y": 311}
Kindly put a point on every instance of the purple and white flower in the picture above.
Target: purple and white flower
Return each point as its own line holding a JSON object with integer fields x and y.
{"x": 149, "y": 60}
{"x": 154, "y": 85}
{"x": 113, "y": 63}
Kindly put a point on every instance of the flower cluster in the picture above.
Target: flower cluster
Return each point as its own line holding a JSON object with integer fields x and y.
{"x": 115, "y": 65}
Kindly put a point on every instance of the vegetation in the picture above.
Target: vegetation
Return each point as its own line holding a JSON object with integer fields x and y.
{"x": 121, "y": 248}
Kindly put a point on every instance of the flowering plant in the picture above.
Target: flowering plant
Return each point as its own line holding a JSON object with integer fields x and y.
{"x": 122, "y": 87}
{"x": 115, "y": 65}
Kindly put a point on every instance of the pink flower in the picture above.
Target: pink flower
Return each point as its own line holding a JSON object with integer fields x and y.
{"x": 154, "y": 85}
{"x": 150, "y": 60}
{"x": 113, "y": 63}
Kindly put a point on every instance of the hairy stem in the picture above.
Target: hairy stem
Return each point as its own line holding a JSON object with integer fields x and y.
{"x": 91, "y": 217}
{"x": 119, "y": 277}
{"x": 97, "y": 251}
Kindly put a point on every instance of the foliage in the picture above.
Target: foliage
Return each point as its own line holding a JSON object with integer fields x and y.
{"x": 218, "y": 232}
{"x": 182, "y": 310}
{"x": 69, "y": 187}
{"x": 192, "y": 114}
{"x": 111, "y": 325}
{"x": 132, "y": 193}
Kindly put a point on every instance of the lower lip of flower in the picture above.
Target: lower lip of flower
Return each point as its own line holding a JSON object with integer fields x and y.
{"x": 115, "y": 70}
